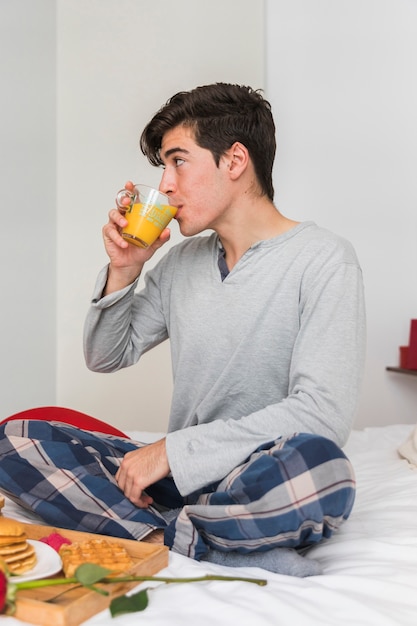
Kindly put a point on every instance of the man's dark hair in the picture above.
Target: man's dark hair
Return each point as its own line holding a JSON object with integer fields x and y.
{"x": 219, "y": 115}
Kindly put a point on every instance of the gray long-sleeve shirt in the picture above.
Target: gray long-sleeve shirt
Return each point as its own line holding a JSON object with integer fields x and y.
{"x": 275, "y": 348}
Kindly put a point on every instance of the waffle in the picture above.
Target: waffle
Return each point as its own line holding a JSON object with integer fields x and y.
{"x": 108, "y": 554}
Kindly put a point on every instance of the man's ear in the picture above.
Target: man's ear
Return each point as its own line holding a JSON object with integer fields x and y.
{"x": 237, "y": 159}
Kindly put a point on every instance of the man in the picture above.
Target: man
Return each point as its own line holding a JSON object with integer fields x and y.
{"x": 266, "y": 323}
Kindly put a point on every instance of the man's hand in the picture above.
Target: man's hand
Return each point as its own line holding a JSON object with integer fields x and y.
{"x": 141, "y": 468}
{"x": 126, "y": 259}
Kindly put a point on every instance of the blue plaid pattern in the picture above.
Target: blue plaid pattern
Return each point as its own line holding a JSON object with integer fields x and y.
{"x": 291, "y": 492}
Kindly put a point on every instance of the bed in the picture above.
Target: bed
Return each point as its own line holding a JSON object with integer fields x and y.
{"x": 370, "y": 565}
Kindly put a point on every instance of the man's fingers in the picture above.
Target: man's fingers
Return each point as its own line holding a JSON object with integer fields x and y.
{"x": 133, "y": 492}
{"x": 142, "y": 502}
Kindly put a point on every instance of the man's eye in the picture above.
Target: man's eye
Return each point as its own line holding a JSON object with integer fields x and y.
{"x": 178, "y": 162}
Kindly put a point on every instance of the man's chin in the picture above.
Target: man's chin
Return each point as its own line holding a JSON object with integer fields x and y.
{"x": 188, "y": 231}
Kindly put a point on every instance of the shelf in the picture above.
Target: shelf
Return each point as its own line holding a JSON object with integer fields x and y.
{"x": 402, "y": 370}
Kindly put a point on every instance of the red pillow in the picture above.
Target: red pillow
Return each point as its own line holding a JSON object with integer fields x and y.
{"x": 67, "y": 416}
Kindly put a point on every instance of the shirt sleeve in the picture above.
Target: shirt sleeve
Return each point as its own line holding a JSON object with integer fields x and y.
{"x": 123, "y": 325}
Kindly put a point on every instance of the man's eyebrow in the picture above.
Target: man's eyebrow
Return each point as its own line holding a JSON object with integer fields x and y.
{"x": 171, "y": 151}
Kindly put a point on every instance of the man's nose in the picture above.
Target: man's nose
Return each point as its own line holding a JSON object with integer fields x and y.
{"x": 167, "y": 184}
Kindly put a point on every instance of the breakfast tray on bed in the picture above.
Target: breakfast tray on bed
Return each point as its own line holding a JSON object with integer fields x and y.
{"x": 68, "y": 605}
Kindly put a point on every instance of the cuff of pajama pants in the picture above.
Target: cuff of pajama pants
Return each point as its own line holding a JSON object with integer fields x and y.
{"x": 172, "y": 539}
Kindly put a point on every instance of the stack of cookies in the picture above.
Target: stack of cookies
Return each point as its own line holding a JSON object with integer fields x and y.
{"x": 18, "y": 555}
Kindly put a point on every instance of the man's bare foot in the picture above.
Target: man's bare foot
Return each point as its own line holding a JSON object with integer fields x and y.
{"x": 156, "y": 536}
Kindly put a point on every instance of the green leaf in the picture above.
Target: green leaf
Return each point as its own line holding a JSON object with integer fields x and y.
{"x": 102, "y": 592}
{"x": 89, "y": 573}
{"x": 129, "y": 604}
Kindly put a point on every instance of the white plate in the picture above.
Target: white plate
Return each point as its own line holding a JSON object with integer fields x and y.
{"x": 48, "y": 563}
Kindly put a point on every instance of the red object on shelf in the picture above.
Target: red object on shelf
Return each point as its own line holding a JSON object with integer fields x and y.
{"x": 412, "y": 347}
{"x": 404, "y": 357}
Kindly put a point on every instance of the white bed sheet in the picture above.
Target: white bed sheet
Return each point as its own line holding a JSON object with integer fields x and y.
{"x": 370, "y": 565}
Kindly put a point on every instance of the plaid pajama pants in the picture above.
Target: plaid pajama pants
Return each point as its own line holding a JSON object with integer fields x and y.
{"x": 291, "y": 492}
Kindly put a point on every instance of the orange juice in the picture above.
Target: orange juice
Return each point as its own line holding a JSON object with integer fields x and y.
{"x": 146, "y": 222}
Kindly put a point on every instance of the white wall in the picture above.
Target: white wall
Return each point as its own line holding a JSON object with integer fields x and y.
{"x": 118, "y": 62}
{"x": 342, "y": 78}
{"x": 28, "y": 199}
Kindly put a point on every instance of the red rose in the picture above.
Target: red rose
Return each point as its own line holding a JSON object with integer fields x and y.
{"x": 7, "y": 592}
{"x": 3, "y": 591}
{"x": 87, "y": 574}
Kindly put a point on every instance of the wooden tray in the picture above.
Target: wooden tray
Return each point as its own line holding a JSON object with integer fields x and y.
{"x": 67, "y": 605}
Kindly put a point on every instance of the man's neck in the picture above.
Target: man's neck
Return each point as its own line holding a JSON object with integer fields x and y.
{"x": 242, "y": 230}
